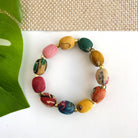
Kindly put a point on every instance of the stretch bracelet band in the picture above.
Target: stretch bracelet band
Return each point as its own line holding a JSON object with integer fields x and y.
{"x": 67, "y": 107}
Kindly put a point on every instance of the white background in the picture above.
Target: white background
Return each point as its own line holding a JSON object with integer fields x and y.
{"x": 71, "y": 76}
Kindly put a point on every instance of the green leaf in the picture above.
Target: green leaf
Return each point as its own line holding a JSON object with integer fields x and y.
{"x": 13, "y": 7}
{"x": 11, "y": 95}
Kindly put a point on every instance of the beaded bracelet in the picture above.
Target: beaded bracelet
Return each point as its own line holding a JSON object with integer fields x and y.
{"x": 67, "y": 107}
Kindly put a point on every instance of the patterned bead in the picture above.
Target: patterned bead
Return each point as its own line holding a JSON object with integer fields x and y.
{"x": 38, "y": 84}
{"x": 50, "y": 51}
{"x": 40, "y": 66}
{"x": 84, "y": 106}
{"x": 85, "y": 44}
{"x": 96, "y": 58}
{"x": 98, "y": 94}
{"x": 48, "y": 99}
{"x": 102, "y": 76}
{"x": 67, "y": 42}
{"x": 66, "y": 107}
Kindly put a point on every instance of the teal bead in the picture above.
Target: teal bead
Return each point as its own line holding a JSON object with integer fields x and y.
{"x": 66, "y": 107}
{"x": 85, "y": 44}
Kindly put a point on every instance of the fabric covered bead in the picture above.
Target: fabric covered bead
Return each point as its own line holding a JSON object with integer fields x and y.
{"x": 67, "y": 42}
{"x": 97, "y": 58}
{"x": 102, "y": 76}
{"x": 40, "y": 66}
{"x": 85, "y": 44}
{"x": 50, "y": 51}
{"x": 38, "y": 84}
{"x": 66, "y": 107}
{"x": 98, "y": 94}
{"x": 84, "y": 106}
{"x": 48, "y": 99}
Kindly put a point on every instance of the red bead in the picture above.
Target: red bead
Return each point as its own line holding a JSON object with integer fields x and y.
{"x": 98, "y": 94}
{"x": 48, "y": 99}
{"x": 38, "y": 84}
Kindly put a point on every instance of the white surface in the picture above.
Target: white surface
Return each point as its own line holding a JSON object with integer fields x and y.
{"x": 71, "y": 76}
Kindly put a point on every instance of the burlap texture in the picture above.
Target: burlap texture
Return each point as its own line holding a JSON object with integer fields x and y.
{"x": 68, "y": 15}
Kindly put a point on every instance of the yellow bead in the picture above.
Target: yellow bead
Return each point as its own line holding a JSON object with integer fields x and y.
{"x": 96, "y": 58}
{"x": 67, "y": 42}
{"x": 84, "y": 106}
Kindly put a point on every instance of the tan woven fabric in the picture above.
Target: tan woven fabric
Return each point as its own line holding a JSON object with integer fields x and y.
{"x": 68, "y": 15}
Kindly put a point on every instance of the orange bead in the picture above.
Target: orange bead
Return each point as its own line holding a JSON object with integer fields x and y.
{"x": 98, "y": 94}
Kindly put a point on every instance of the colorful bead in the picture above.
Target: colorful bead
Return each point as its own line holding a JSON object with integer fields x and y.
{"x": 85, "y": 44}
{"x": 38, "y": 84}
{"x": 102, "y": 76}
{"x": 97, "y": 58}
{"x": 48, "y": 99}
{"x": 40, "y": 66}
{"x": 50, "y": 51}
{"x": 84, "y": 106}
{"x": 98, "y": 94}
{"x": 67, "y": 42}
{"x": 66, "y": 107}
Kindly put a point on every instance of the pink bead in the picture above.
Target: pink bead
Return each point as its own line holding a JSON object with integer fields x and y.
{"x": 50, "y": 51}
{"x": 38, "y": 84}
